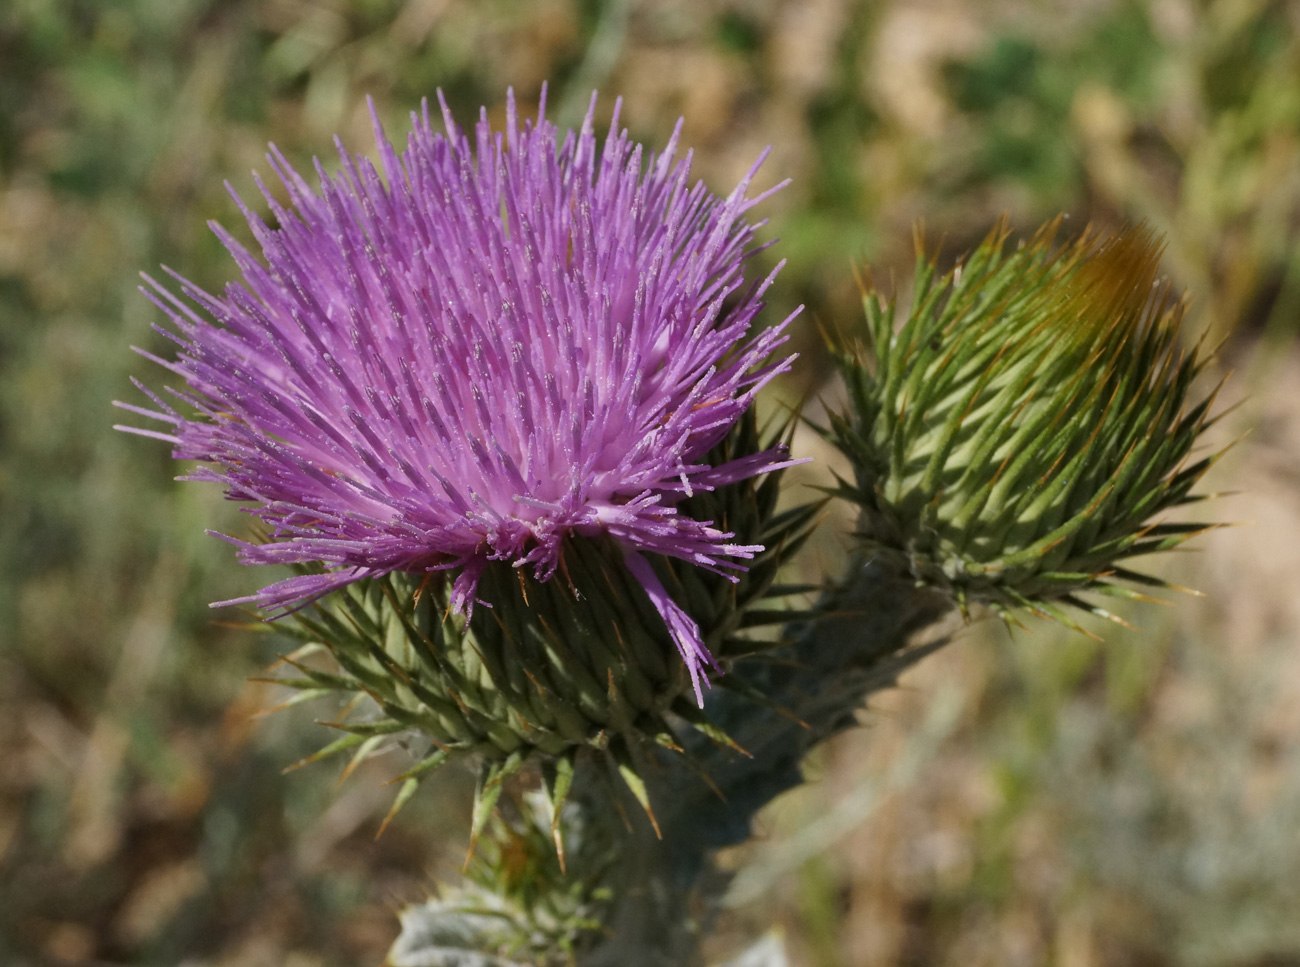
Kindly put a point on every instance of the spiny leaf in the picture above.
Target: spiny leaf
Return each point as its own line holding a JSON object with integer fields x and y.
{"x": 627, "y": 770}
{"x": 403, "y": 797}
{"x": 367, "y": 747}
{"x": 557, "y": 780}
{"x": 432, "y": 761}
{"x": 699, "y": 721}
{"x": 488, "y": 791}
{"x": 305, "y": 695}
{"x": 338, "y": 745}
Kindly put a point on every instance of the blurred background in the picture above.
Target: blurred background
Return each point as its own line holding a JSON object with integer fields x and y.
{"x": 1036, "y": 798}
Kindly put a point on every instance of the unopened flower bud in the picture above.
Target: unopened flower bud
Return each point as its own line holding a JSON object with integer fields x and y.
{"x": 1017, "y": 440}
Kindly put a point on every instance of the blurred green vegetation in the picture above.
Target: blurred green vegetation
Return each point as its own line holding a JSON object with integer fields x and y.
{"x": 1134, "y": 802}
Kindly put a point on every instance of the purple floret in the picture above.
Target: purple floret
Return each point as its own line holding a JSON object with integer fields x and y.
{"x": 500, "y": 341}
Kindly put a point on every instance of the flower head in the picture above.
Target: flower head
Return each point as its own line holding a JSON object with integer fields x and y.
{"x": 488, "y": 345}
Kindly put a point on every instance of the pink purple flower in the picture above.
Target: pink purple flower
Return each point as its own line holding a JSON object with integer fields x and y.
{"x": 487, "y": 345}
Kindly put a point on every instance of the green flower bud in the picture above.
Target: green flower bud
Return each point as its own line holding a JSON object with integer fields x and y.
{"x": 1016, "y": 440}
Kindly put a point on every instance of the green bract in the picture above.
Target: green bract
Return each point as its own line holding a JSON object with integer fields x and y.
{"x": 544, "y": 670}
{"x": 1018, "y": 437}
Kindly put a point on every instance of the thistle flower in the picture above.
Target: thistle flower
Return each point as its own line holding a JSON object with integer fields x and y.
{"x": 505, "y": 343}
{"x": 553, "y": 669}
{"x": 1017, "y": 439}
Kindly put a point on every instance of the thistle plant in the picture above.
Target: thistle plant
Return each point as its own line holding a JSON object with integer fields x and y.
{"x": 493, "y": 401}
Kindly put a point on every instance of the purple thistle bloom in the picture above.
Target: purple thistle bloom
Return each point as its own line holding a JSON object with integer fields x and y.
{"x": 503, "y": 341}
